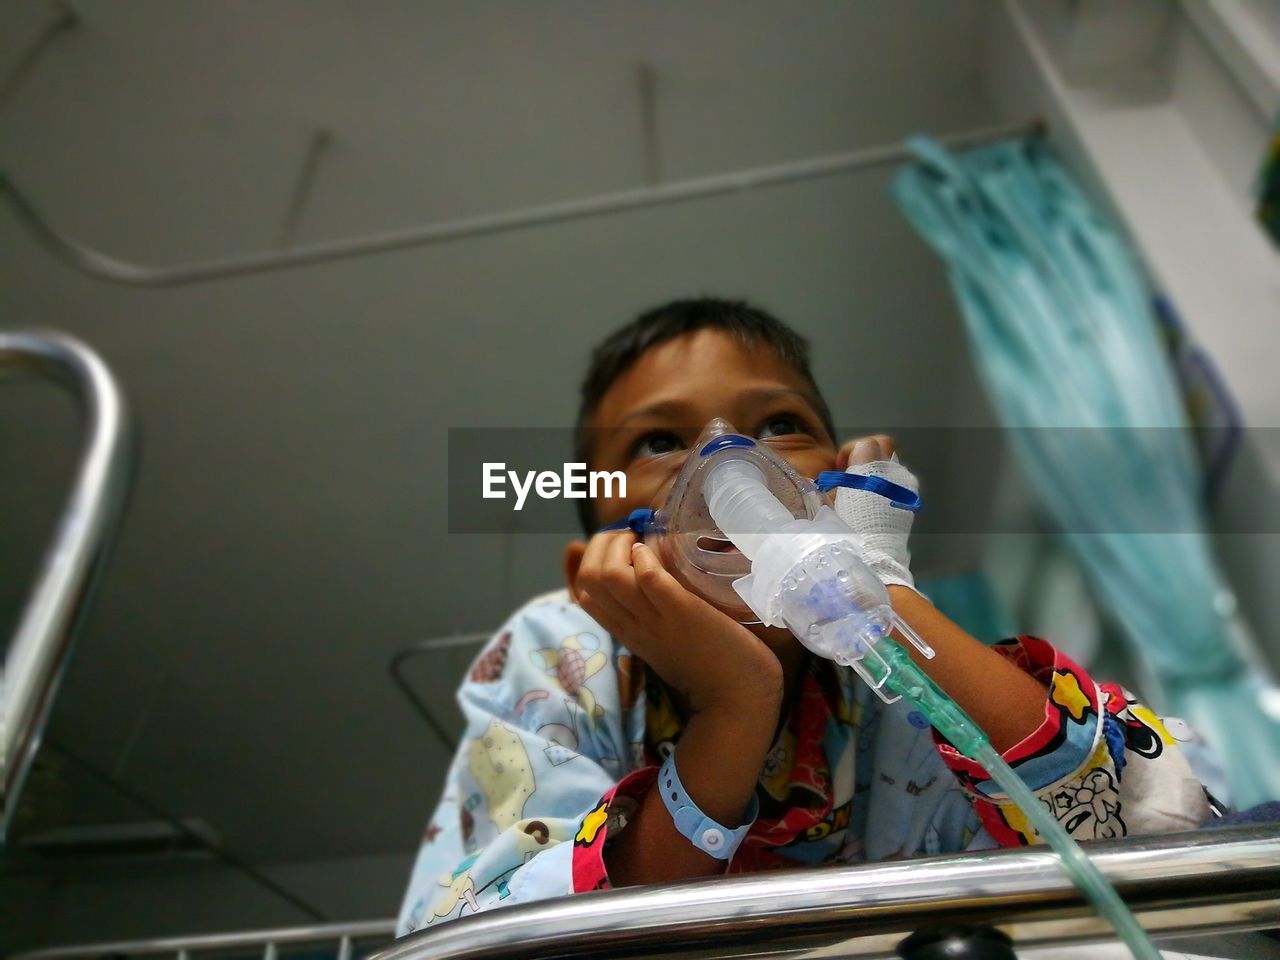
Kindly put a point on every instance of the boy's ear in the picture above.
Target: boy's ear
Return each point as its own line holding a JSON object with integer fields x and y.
{"x": 574, "y": 551}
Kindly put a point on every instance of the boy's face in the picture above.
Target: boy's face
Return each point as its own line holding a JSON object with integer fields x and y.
{"x": 651, "y": 415}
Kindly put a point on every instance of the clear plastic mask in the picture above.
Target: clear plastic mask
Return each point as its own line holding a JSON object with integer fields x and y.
{"x": 688, "y": 542}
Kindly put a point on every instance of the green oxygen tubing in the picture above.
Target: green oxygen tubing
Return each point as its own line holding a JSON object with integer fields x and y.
{"x": 806, "y": 575}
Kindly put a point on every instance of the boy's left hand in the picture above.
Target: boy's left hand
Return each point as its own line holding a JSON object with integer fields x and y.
{"x": 882, "y": 529}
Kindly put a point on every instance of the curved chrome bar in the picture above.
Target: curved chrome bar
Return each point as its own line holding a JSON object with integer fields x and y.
{"x": 37, "y": 653}
{"x": 1207, "y": 881}
{"x": 345, "y": 935}
{"x": 106, "y": 267}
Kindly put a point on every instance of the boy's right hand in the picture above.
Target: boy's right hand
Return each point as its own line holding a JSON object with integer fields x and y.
{"x": 715, "y": 663}
{"x": 729, "y": 680}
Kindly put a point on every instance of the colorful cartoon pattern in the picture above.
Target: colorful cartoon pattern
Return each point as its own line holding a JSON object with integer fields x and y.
{"x": 566, "y": 730}
{"x": 1096, "y": 742}
{"x": 501, "y": 767}
{"x": 575, "y": 661}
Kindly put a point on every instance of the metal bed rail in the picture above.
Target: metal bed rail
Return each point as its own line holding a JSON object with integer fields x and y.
{"x": 1182, "y": 884}
{"x": 1179, "y": 885}
{"x": 344, "y": 939}
{"x": 55, "y": 611}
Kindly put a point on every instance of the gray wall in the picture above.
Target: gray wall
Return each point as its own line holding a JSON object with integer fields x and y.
{"x": 287, "y": 533}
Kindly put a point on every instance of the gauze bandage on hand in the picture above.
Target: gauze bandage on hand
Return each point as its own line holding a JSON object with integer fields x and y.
{"x": 881, "y": 527}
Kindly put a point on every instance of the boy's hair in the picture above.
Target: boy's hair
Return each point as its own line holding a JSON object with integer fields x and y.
{"x": 750, "y": 325}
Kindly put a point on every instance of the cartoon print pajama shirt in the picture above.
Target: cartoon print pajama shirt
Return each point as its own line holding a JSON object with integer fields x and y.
{"x": 566, "y": 731}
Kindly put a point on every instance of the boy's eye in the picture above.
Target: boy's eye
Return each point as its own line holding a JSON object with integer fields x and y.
{"x": 780, "y": 426}
{"x": 656, "y": 444}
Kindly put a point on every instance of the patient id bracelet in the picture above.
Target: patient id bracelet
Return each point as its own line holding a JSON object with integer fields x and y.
{"x": 699, "y": 829}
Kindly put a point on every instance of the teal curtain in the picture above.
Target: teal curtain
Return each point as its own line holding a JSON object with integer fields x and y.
{"x": 1062, "y": 332}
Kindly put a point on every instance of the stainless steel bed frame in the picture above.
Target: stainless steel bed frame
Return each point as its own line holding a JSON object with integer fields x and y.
{"x": 1210, "y": 881}
{"x": 37, "y": 653}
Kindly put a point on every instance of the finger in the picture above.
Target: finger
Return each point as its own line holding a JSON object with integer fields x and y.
{"x": 617, "y": 550}
{"x": 856, "y": 451}
{"x": 620, "y": 577}
{"x": 590, "y": 561}
{"x": 597, "y": 549}
{"x": 597, "y": 599}
{"x": 592, "y": 586}
{"x": 658, "y": 586}
{"x": 861, "y": 450}
{"x": 590, "y": 571}
{"x": 887, "y": 445}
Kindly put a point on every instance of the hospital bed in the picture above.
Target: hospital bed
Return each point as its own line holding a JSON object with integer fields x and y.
{"x": 1213, "y": 882}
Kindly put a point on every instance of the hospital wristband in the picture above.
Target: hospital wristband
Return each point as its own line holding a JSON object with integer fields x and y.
{"x": 695, "y": 826}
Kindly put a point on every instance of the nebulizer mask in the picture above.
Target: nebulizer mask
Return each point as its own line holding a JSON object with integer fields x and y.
{"x": 746, "y": 532}
{"x": 795, "y": 562}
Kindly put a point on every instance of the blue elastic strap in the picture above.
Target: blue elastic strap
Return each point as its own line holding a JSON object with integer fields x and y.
{"x": 638, "y": 522}
{"x": 898, "y": 495}
{"x": 726, "y": 440}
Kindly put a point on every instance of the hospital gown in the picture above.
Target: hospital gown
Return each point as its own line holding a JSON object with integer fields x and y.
{"x": 566, "y": 730}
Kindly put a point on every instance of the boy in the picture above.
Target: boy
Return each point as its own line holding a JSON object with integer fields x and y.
{"x": 785, "y": 758}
